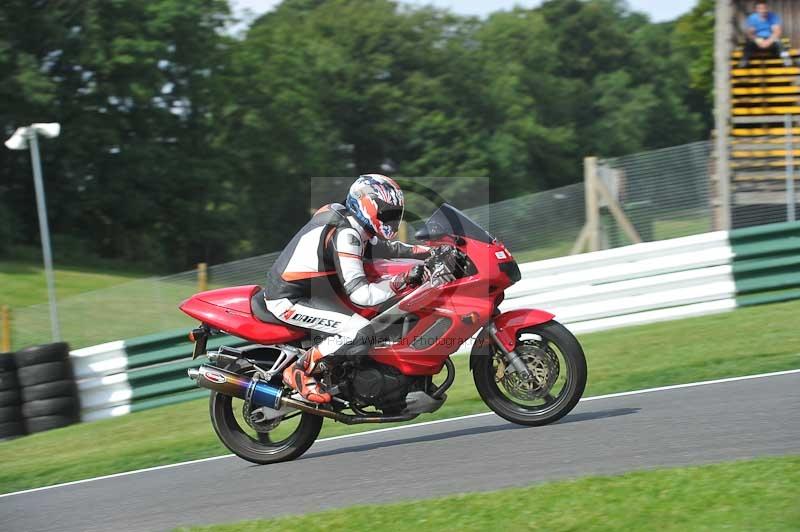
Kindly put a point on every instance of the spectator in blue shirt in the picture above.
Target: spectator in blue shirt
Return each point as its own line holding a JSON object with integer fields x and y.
{"x": 763, "y": 30}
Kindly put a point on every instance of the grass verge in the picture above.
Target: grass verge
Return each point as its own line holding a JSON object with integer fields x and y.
{"x": 759, "y": 494}
{"x": 746, "y": 341}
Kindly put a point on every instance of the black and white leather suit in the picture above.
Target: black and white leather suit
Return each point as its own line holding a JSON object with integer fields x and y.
{"x": 322, "y": 265}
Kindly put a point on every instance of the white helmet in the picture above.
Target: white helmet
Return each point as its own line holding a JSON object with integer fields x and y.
{"x": 376, "y": 201}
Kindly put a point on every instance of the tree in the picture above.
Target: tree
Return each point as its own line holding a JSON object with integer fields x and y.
{"x": 130, "y": 82}
{"x": 182, "y": 143}
{"x": 694, "y": 44}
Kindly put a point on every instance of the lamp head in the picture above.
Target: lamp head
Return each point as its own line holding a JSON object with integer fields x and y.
{"x": 19, "y": 140}
{"x": 49, "y": 130}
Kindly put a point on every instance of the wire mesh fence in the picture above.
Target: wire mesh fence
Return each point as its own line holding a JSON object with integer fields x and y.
{"x": 665, "y": 193}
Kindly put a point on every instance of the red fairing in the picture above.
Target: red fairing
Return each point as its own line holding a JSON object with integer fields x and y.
{"x": 228, "y": 309}
{"x": 455, "y": 311}
{"x": 510, "y": 323}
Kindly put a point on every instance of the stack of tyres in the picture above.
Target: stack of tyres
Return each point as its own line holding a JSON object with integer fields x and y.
{"x": 49, "y": 394}
{"x": 11, "y": 423}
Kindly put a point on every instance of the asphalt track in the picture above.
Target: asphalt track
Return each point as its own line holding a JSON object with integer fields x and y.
{"x": 678, "y": 426}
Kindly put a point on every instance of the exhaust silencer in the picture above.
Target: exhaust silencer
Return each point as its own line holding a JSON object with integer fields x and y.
{"x": 258, "y": 392}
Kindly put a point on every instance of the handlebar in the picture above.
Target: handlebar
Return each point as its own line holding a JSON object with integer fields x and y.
{"x": 445, "y": 264}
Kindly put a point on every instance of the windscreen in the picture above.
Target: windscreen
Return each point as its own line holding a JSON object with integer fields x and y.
{"x": 449, "y": 220}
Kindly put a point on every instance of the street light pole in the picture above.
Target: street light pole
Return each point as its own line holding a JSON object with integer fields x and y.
{"x": 29, "y": 137}
{"x": 44, "y": 230}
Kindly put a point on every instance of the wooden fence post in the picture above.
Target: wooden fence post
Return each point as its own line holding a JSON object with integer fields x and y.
{"x": 5, "y": 318}
{"x": 202, "y": 277}
{"x": 589, "y": 237}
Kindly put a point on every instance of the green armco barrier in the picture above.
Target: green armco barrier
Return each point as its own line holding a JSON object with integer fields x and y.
{"x": 157, "y": 366}
{"x": 173, "y": 398}
{"x": 766, "y": 264}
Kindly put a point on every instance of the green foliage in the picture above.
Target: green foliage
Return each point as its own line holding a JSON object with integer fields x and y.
{"x": 694, "y": 38}
{"x": 183, "y": 144}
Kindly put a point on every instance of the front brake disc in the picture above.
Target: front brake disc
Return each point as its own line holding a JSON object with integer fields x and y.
{"x": 543, "y": 365}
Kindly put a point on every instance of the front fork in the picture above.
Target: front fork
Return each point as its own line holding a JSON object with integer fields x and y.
{"x": 515, "y": 363}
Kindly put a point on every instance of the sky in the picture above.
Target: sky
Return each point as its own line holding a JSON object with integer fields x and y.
{"x": 659, "y": 10}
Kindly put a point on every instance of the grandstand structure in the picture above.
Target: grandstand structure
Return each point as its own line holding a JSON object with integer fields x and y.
{"x": 758, "y": 121}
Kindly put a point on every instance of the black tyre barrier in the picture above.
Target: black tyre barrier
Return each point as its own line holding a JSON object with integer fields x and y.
{"x": 10, "y": 397}
{"x": 8, "y": 380}
{"x": 48, "y": 390}
{"x": 42, "y": 373}
{"x": 57, "y": 406}
{"x": 48, "y": 393}
{"x": 7, "y": 363}
{"x": 10, "y": 413}
{"x": 11, "y": 421}
{"x": 12, "y": 429}
{"x": 43, "y": 423}
{"x": 42, "y": 354}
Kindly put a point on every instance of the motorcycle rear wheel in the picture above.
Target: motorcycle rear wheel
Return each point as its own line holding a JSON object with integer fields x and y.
{"x": 287, "y": 441}
{"x": 535, "y": 344}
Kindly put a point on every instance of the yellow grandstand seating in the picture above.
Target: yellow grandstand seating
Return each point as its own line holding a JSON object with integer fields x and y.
{"x": 767, "y": 100}
{"x": 762, "y": 131}
{"x": 763, "y": 94}
{"x": 772, "y": 71}
{"x": 785, "y": 89}
{"x": 765, "y": 110}
{"x": 763, "y": 80}
{"x": 738, "y": 154}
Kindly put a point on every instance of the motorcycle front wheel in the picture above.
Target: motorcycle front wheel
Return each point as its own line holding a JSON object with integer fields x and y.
{"x": 557, "y": 367}
{"x": 261, "y": 443}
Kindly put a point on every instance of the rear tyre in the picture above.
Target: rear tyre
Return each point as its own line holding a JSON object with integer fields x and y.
{"x": 292, "y": 436}
{"x": 551, "y": 353}
{"x": 260, "y": 450}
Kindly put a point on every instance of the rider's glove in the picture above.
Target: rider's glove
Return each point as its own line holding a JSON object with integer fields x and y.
{"x": 416, "y": 275}
{"x": 412, "y": 278}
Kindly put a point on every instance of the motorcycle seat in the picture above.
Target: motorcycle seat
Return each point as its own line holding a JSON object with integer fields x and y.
{"x": 258, "y": 305}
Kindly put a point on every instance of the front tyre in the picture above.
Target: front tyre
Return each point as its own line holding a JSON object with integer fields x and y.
{"x": 557, "y": 366}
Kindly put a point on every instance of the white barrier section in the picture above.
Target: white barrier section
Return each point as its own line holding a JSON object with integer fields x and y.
{"x": 101, "y": 375}
{"x": 632, "y": 285}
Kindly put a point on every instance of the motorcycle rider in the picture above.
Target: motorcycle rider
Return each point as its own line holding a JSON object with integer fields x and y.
{"x": 323, "y": 263}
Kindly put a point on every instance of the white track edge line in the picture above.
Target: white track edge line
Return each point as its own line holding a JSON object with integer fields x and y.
{"x": 413, "y": 425}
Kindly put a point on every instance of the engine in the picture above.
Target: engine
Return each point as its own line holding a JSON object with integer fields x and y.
{"x": 380, "y": 386}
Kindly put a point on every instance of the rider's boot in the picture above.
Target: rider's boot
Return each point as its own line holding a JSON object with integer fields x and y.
{"x": 299, "y": 377}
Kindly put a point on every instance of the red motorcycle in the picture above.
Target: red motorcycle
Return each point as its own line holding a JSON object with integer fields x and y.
{"x": 528, "y": 368}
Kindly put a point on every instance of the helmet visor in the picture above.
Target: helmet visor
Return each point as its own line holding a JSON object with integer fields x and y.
{"x": 391, "y": 215}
